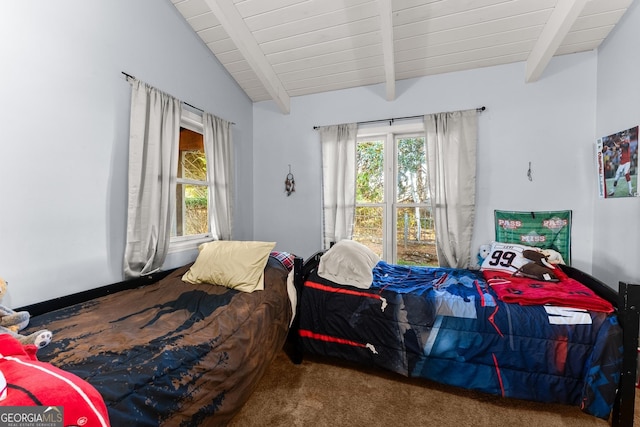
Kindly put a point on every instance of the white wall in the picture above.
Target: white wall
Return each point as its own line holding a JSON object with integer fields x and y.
{"x": 65, "y": 115}
{"x": 616, "y": 251}
{"x": 549, "y": 123}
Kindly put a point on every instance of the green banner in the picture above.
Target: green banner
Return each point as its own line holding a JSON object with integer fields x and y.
{"x": 546, "y": 230}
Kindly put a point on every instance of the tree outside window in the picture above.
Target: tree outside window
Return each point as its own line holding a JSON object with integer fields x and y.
{"x": 394, "y": 197}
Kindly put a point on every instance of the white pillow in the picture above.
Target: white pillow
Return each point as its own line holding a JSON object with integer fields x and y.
{"x": 235, "y": 264}
{"x": 348, "y": 263}
{"x": 506, "y": 257}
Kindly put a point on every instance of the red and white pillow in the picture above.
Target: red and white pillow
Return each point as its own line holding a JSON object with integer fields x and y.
{"x": 30, "y": 382}
{"x": 506, "y": 257}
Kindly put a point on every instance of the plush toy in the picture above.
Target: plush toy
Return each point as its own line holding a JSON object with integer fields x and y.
{"x": 484, "y": 252}
{"x": 11, "y": 322}
{"x": 553, "y": 257}
{"x": 539, "y": 268}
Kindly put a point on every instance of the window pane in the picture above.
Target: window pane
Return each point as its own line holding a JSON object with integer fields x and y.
{"x": 370, "y": 185}
{"x": 193, "y": 163}
{"x": 415, "y": 237}
{"x": 412, "y": 171}
{"x": 191, "y": 214}
{"x": 368, "y": 227}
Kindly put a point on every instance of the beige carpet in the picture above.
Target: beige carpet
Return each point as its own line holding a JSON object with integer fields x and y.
{"x": 325, "y": 392}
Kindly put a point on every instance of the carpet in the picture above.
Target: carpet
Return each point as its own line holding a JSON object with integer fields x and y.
{"x": 328, "y": 392}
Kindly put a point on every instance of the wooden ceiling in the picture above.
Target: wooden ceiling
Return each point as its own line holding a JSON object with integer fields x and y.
{"x": 278, "y": 49}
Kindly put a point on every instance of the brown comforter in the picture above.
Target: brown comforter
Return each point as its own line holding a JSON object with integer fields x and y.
{"x": 172, "y": 353}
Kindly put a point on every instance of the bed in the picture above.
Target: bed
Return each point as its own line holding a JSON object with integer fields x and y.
{"x": 453, "y": 326}
{"x": 169, "y": 352}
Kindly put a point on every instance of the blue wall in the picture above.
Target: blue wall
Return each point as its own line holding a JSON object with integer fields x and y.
{"x": 616, "y": 226}
{"x": 65, "y": 124}
{"x": 549, "y": 123}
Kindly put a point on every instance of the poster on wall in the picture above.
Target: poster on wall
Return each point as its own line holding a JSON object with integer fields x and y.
{"x": 617, "y": 164}
{"x": 546, "y": 230}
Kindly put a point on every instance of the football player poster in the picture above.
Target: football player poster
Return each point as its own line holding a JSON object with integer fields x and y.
{"x": 617, "y": 163}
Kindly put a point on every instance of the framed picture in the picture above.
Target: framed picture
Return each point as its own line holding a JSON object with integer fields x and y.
{"x": 617, "y": 164}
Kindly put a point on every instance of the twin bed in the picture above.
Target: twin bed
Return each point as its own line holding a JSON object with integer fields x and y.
{"x": 168, "y": 352}
{"x": 453, "y": 326}
{"x": 172, "y": 352}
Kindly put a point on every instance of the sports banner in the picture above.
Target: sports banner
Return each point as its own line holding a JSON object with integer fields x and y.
{"x": 546, "y": 230}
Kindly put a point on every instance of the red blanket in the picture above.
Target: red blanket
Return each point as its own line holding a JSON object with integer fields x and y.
{"x": 566, "y": 293}
{"x": 30, "y": 382}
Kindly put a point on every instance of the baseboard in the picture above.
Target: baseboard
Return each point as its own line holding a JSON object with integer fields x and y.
{"x": 80, "y": 297}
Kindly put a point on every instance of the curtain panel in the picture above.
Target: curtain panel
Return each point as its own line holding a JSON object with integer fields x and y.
{"x": 153, "y": 157}
{"x": 451, "y": 140}
{"x": 218, "y": 151}
{"x": 338, "y": 181}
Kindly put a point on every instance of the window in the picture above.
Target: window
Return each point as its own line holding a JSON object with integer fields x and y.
{"x": 190, "y": 222}
{"x": 393, "y": 211}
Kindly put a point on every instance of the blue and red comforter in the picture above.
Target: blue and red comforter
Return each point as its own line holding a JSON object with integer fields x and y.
{"x": 450, "y": 326}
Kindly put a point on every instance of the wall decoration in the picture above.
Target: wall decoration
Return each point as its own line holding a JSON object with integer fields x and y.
{"x": 546, "y": 230}
{"x": 289, "y": 183}
{"x": 617, "y": 164}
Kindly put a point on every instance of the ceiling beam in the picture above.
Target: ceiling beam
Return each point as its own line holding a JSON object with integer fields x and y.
{"x": 560, "y": 22}
{"x": 233, "y": 23}
{"x": 386, "y": 31}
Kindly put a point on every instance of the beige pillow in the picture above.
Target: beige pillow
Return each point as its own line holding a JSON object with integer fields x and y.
{"x": 235, "y": 264}
{"x": 348, "y": 263}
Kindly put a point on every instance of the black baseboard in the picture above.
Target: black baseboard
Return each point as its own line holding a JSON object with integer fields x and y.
{"x": 80, "y": 297}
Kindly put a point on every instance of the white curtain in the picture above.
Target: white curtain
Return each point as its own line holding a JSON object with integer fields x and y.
{"x": 338, "y": 181}
{"x": 451, "y": 140}
{"x": 153, "y": 155}
{"x": 218, "y": 150}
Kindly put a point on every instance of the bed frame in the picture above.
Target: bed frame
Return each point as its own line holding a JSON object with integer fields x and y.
{"x": 626, "y": 301}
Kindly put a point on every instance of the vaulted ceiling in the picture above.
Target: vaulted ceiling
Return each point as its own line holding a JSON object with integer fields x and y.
{"x": 278, "y": 49}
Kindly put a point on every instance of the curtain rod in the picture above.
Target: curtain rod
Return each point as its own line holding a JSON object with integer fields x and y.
{"x": 391, "y": 120}
{"x": 129, "y": 76}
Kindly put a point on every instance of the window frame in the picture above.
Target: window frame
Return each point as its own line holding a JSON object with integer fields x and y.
{"x": 192, "y": 121}
{"x": 388, "y": 135}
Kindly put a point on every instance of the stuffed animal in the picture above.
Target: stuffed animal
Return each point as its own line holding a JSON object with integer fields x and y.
{"x": 484, "y": 252}
{"x": 11, "y": 322}
{"x": 553, "y": 257}
{"x": 539, "y": 268}
{"x": 10, "y": 319}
